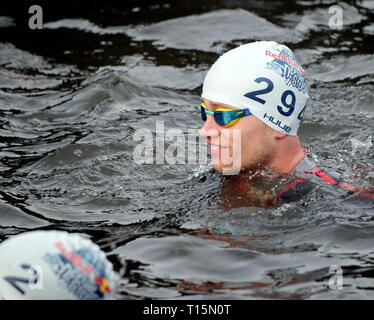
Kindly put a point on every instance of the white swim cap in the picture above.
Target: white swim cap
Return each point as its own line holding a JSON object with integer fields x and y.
{"x": 264, "y": 77}
{"x": 54, "y": 265}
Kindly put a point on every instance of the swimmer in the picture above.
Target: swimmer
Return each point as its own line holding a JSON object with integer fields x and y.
{"x": 253, "y": 100}
{"x": 44, "y": 265}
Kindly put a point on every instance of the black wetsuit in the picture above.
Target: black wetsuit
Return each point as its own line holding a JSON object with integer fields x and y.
{"x": 309, "y": 175}
{"x": 237, "y": 191}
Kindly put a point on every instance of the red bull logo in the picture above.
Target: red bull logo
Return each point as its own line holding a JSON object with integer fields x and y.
{"x": 76, "y": 259}
{"x": 284, "y": 58}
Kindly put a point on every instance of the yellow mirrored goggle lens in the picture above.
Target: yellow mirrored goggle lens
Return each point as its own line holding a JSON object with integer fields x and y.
{"x": 229, "y": 124}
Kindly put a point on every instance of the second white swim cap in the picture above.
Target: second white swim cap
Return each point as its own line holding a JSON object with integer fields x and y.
{"x": 41, "y": 265}
{"x": 264, "y": 77}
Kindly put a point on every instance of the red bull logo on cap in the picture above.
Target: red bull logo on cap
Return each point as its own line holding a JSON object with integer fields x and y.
{"x": 78, "y": 261}
{"x": 76, "y": 268}
{"x": 285, "y": 58}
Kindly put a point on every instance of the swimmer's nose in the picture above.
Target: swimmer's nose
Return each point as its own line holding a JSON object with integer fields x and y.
{"x": 209, "y": 129}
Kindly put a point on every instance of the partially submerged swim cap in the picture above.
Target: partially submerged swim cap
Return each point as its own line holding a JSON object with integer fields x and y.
{"x": 54, "y": 265}
{"x": 264, "y": 77}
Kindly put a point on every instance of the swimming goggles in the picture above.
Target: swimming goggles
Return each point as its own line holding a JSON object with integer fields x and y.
{"x": 224, "y": 116}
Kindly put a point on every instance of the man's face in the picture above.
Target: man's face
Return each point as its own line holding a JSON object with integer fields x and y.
{"x": 247, "y": 145}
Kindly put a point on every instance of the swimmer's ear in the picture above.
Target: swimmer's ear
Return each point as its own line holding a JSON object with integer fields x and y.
{"x": 279, "y": 136}
{"x": 274, "y": 133}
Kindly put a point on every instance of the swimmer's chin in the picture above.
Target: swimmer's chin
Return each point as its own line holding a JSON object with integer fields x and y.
{"x": 227, "y": 170}
{"x": 217, "y": 167}
{"x": 257, "y": 169}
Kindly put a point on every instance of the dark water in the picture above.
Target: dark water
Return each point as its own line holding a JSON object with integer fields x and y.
{"x": 73, "y": 94}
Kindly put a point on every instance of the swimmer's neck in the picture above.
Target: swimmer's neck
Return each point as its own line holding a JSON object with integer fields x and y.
{"x": 287, "y": 156}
